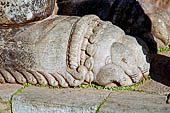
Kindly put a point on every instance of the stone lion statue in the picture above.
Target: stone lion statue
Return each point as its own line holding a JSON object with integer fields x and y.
{"x": 66, "y": 50}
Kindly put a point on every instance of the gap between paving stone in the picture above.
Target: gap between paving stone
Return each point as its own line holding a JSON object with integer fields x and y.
{"x": 105, "y": 99}
{"x": 22, "y": 88}
{"x": 33, "y": 99}
{"x": 102, "y": 102}
{"x": 134, "y": 102}
{"x": 15, "y": 93}
{"x": 6, "y": 90}
{"x": 98, "y": 105}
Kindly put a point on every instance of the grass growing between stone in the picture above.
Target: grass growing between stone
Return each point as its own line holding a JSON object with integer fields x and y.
{"x": 115, "y": 88}
{"x": 94, "y": 86}
{"x": 130, "y": 88}
{"x": 18, "y": 91}
{"x": 166, "y": 48}
{"x": 101, "y": 103}
{"x": 89, "y": 85}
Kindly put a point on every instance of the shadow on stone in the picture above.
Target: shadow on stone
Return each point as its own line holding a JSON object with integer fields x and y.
{"x": 167, "y": 101}
{"x": 160, "y": 69}
{"x": 127, "y": 14}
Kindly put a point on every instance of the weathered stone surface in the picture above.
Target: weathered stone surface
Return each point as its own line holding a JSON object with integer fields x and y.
{"x": 159, "y": 29}
{"x": 31, "y": 52}
{"x": 127, "y": 66}
{"x": 6, "y": 92}
{"x": 160, "y": 3}
{"x": 126, "y": 59}
{"x": 147, "y": 7}
{"x": 160, "y": 23}
{"x": 67, "y": 51}
{"x": 45, "y": 100}
{"x": 113, "y": 75}
{"x": 8, "y": 33}
{"x": 155, "y": 87}
{"x": 23, "y": 11}
{"x": 165, "y": 53}
{"x": 134, "y": 102}
{"x": 140, "y": 52}
{"x": 127, "y": 14}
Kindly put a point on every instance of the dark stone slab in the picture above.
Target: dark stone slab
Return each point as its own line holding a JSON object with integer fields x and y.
{"x": 134, "y": 102}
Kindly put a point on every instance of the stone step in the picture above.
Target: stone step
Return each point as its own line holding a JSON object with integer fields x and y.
{"x": 78, "y": 100}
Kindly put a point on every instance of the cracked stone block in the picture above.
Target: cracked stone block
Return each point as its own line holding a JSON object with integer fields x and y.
{"x": 134, "y": 102}
{"x": 6, "y": 92}
{"x": 45, "y": 100}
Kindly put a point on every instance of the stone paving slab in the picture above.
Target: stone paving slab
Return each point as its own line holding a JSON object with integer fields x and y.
{"x": 45, "y": 100}
{"x": 86, "y": 100}
{"x": 154, "y": 87}
{"x": 134, "y": 102}
{"x": 6, "y": 91}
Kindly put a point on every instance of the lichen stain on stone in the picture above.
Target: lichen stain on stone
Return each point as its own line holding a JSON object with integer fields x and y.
{"x": 15, "y": 57}
{"x": 24, "y": 11}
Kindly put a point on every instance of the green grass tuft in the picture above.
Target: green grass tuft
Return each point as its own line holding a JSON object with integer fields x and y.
{"x": 15, "y": 93}
{"x": 27, "y": 85}
{"x": 95, "y": 86}
{"x": 166, "y": 48}
{"x": 114, "y": 88}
